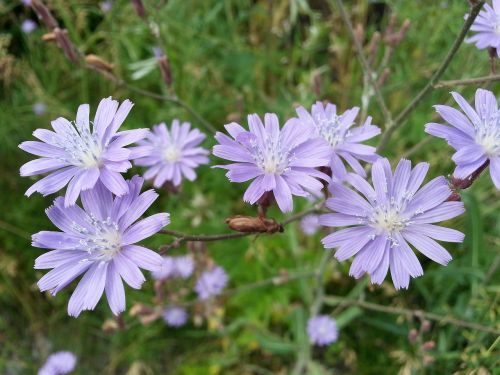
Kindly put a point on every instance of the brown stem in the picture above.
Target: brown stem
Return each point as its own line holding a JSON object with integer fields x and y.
{"x": 467, "y": 81}
{"x": 180, "y": 236}
{"x": 335, "y": 300}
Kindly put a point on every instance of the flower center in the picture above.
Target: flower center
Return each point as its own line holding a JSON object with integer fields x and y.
{"x": 105, "y": 242}
{"x": 331, "y": 130}
{"x": 172, "y": 154}
{"x": 83, "y": 149}
{"x": 387, "y": 219}
{"x": 270, "y": 157}
{"x": 488, "y": 135}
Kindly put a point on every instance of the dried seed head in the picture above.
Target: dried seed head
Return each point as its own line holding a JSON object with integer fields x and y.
{"x": 49, "y": 37}
{"x": 99, "y": 63}
{"x": 249, "y": 224}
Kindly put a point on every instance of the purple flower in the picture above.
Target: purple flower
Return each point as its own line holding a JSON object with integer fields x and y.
{"x": 39, "y": 108}
{"x": 211, "y": 283}
{"x": 28, "y": 26}
{"x": 77, "y": 156}
{"x": 58, "y": 364}
{"x": 183, "y": 266}
{"x": 322, "y": 330}
{"x": 384, "y": 219}
{"x": 310, "y": 224}
{"x": 106, "y": 6}
{"x": 166, "y": 270}
{"x": 173, "y": 153}
{"x": 487, "y": 26}
{"x": 99, "y": 241}
{"x": 344, "y": 140}
{"x": 279, "y": 160}
{"x": 175, "y": 316}
{"x": 475, "y": 136}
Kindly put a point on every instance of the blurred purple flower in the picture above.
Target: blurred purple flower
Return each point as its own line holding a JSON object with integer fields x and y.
{"x": 59, "y": 363}
{"x": 211, "y": 283}
{"x": 386, "y": 217}
{"x": 167, "y": 269}
{"x": 39, "y": 108}
{"x": 100, "y": 242}
{"x": 106, "y": 6}
{"x": 475, "y": 136}
{"x": 175, "y": 316}
{"x": 343, "y": 139}
{"x": 28, "y": 26}
{"x": 322, "y": 330}
{"x": 26, "y": 3}
{"x": 279, "y": 160}
{"x": 77, "y": 156}
{"x": 183, "y": 266}
{"x": 487, "y": 26}
{"x": 310, "y": 224}
{"x": 172, "y": 153}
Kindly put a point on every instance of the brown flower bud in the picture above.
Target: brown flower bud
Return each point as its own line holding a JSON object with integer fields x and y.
{"x": 249, "y": 224}
{"x": 49, "y": 37}
{"x": 99, "y": 63}
{"x": 110, "y": 325}
{"x": 149, "y": 318}
{"x": 44, "y": 13}
{"x": 65, "y": 44}
{"x": 139, "y": 8}
{"x": 383, "y": 77}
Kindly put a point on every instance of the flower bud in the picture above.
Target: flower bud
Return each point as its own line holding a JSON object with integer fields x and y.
{"x": 249, "y": 224}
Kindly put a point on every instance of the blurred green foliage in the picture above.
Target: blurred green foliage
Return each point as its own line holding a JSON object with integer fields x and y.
{"x": 230, "y": 58}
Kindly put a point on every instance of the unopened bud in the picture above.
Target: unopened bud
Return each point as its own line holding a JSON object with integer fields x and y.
{"x": 164, "y": 65}
{"x": 412, "y": 336}
{"x": 383, "y": 77}
{"x": 373, "y": 46}
{"x": 404, "y": 29}
{"x": 65, "y": 44}
{"x": 359, "y": 32}
{"x": 110, "y": 325}
{"x": 426, "y": 326}
{"x": 149, "y": 318}
{"x": 99, "y": 63}
{"x": 44, "y": 14}
{"x": 49, "y": 37}
{"x": 428, "y": 345}
{"x": 249, "y": 224}
{"x": 139, "y": 309}
{"x": 139, "y": 8}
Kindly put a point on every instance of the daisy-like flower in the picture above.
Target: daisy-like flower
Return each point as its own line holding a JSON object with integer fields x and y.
{"x": 166, "y": 270}
{"x": 59, "y": 363}
{"x": 211, "y": 283}
{"x": 173, "y": 153}
{"x": 28, "y": 26}
{"x": 310, "y": 224}
{"x": 344, "y": 139}
{"x": 99, "y": 241}
{"x": 77, "y": 155}
{"x": 279, "y": 160}
{"x": 389, "y": 216}
{"x": 175, "y": 316}
{"x": 487, "y": 26}
{"x": 183, "y": 266}
{"x": 475, "y": 136}
{"x": 39, "y": 108}
{"x": 322, "y": 330}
